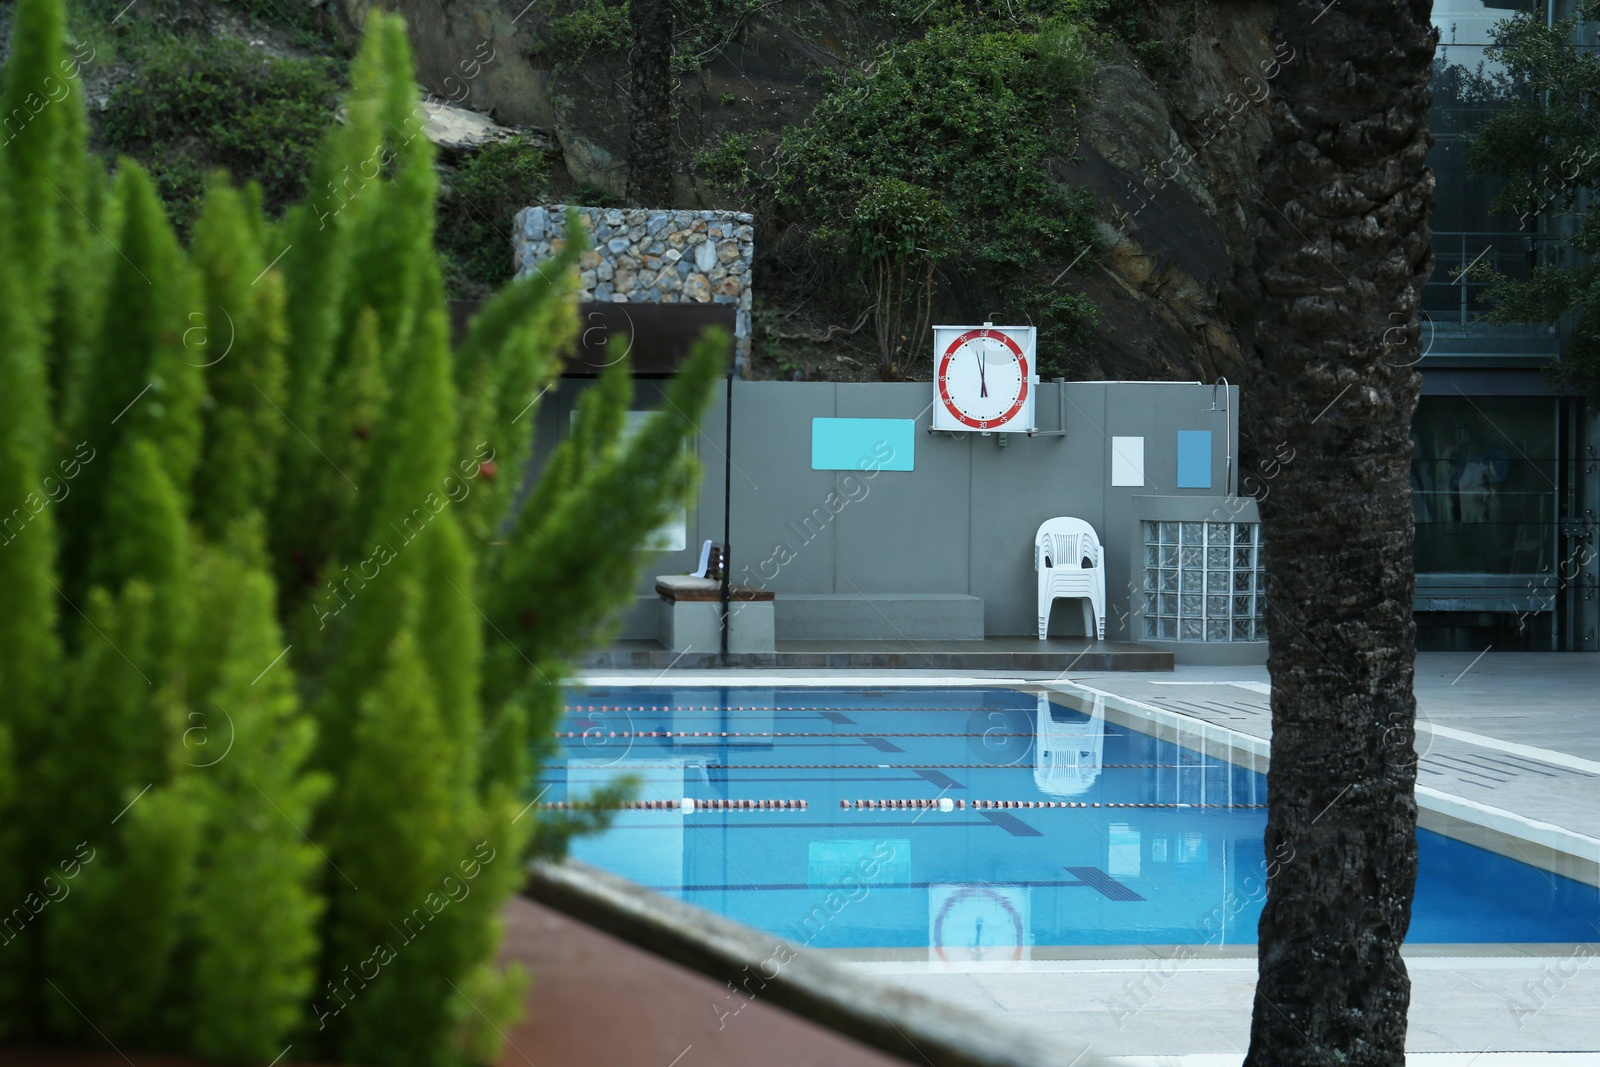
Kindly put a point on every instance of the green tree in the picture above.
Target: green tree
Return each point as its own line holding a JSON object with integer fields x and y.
{"x": 261, "y": 552}
{"x": 902, "y": 231}
{"x": 1543, "y": 141}
{"x": 945, "y": 146}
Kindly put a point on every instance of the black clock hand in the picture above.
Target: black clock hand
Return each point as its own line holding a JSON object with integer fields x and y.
{"x": 983, "y": 385}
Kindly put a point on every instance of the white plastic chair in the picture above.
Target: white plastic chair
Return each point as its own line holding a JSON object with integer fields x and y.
{"x": 1067, "y": 557}
{"x": 1071, "y": 753}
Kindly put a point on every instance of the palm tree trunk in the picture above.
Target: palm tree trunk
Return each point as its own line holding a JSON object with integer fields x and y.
{"x": 650, "y": 133}
{"x": 1342, "y": 244}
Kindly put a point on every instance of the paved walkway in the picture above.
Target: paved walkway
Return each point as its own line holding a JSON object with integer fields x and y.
{"x": 1517, "y": 733}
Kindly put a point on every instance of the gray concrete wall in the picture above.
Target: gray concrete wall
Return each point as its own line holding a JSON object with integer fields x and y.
{"x": 962, "y": 522}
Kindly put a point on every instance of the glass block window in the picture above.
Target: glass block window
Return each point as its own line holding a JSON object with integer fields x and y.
{"x": 1202, "y": 581}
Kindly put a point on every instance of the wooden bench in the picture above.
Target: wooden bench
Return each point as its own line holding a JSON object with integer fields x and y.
{"x": 691, "y": 615}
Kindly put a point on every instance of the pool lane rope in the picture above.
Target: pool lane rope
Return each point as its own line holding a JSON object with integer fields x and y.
{"x": 729, "y": 767}
{"x": 595, "y": 732}
{"x": 693, "y": 804}
{"x": 687, "y": 804}
{"x": 857, "y": 708}
{"x": 946, "y": 804}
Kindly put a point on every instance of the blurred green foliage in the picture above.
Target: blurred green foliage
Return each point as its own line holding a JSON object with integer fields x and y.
{"x": 283, "y": 642}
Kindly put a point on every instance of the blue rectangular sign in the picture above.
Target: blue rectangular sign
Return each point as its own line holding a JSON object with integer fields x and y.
{"x": 1194, "y": 459}
{"x": 863, "y": 444}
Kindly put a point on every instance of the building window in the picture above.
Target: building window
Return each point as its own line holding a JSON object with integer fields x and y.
{"x": 1202, "y": 581}
{"x": 1466, "y": 234}
{"x": 1483, "y": 487}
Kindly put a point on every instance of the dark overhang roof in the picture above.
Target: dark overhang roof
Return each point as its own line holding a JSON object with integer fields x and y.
{"x": 656, "y": 338}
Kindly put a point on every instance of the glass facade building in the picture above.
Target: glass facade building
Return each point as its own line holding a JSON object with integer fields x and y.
{"x": 1504, "y": 467}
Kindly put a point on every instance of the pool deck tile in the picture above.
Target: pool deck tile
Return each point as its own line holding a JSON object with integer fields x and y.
{"x": 1540, "y": 761}
{"x": 990, "y": 654}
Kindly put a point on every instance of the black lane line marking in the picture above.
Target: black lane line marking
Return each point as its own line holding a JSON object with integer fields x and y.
{"x": 1520, "y": 763}
{"x": 836, "y": 717}
{"x": 1011, "y": 824}
{"x": 740, "y": 824}
{"x": 714, "y": 775}
{"x": 1108, "y": 887}
{"x": 1199, "y": 710}
{"x": 881, "y": 744}
{"x": 1540, "y": 763}
{"x": 1463, "y": 768}
{"x": 940, "y": 779}
{"x": 791, "y": 886}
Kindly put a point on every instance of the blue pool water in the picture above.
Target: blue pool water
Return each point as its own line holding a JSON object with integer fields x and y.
{"x": 985, "y": 884}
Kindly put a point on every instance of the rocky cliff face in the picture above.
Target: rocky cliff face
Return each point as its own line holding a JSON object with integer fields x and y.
{"x": 1169, "y": 157}
{"x": 1173, "y": 164}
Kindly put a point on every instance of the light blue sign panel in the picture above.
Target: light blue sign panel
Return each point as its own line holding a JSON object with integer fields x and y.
{"x": 1194, "y": 459}
{"x": 863, "y": 444}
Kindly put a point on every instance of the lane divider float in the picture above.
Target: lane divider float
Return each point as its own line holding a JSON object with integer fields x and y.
{"x": 687, "y": 804}
{"x": 945, "y": 804}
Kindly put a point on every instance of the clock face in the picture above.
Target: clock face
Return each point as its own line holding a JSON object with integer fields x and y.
{"x": 982, "y": 376}
{"x": 978, "y": 923}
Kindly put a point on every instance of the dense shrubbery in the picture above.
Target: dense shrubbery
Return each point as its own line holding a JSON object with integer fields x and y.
{"x": 278, "y": 648}
{"x": 200, "y": 104}
{"x": 702, "y": 29}
{"x": 589, "y": 25}
{"x": 129, "y": 31}
{"x": 967, "y": 116}
{"x": 476, "y": 207}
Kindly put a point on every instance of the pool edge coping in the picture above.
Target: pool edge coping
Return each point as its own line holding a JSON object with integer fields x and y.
{"x": 1550, "y": 848}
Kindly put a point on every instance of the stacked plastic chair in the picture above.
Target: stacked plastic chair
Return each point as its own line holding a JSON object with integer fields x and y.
{"x": 1068, "y": 559}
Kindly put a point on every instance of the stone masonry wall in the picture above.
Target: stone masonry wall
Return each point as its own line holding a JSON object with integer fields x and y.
{"x": 649, "y": 256}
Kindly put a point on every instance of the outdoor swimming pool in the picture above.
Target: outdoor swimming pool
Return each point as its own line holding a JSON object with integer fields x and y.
{"x": 1148, "y": 842}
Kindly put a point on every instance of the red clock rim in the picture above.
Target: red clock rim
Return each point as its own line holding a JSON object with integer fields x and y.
{"x": 977, "y": 892}
{"x": 944, "y": 394}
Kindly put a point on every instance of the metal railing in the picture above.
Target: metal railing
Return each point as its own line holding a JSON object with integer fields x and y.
{"x": 1453, "y": 299}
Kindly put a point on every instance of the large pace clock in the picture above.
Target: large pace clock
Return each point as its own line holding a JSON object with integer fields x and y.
{"x": 984, "y": 378}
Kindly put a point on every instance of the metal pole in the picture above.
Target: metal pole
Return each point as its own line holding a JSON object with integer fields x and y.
{"x": 727, "y": 511}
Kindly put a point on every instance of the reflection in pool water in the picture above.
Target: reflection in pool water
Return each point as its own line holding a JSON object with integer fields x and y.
{"x": 1069, "y": 748}
{"x": 1126, "y": 839}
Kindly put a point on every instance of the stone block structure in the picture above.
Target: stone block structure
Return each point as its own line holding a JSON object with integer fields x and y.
{"x": 651, "y": 256}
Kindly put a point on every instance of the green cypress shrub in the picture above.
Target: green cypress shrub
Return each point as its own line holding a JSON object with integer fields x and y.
{"x": 255, "y": 905}
{"x": 236, "y": 340}
{"x": 275, "y": 625}
{"x": 29, "y": 635}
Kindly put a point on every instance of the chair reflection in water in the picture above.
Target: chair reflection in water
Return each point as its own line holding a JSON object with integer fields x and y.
{"x": 1069, "y": 749}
